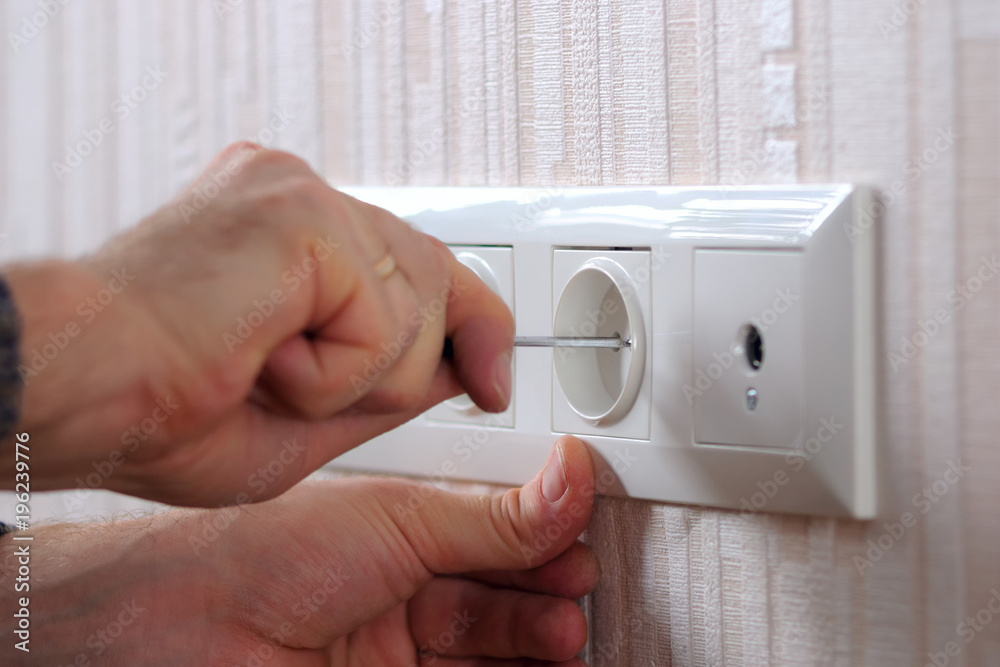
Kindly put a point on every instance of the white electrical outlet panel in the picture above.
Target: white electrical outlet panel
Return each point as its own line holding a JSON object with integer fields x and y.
{"x": 750, "y": 381}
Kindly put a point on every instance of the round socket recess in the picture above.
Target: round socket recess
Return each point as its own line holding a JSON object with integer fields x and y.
{"x": 600, "y": 301}
{"x": 484, "y": 273}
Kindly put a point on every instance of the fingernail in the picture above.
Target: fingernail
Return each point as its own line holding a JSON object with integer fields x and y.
{"x": 554, "y": 478}
{"x": 502, "y": 377}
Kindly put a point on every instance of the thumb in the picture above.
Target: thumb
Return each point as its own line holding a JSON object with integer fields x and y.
{"x": 516, "y": 530}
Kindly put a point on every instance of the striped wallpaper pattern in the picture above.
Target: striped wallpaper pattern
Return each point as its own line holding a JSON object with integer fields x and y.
{"x": 902, "y": 94}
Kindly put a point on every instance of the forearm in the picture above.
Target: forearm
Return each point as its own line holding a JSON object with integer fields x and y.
{"x": 98, "y": 594}
{"x": 76, "y": 391}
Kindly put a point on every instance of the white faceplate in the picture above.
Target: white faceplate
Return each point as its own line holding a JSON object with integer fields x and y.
{"x": 700, "y": 265}
{"x": 736, "y": 292}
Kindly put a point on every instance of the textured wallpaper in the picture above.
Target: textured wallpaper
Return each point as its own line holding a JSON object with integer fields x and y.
{"x": 107, "y": 108}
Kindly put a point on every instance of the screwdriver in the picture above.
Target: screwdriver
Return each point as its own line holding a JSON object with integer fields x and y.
{"x": 613, "y": 342}
{"x": 610, "y": 343}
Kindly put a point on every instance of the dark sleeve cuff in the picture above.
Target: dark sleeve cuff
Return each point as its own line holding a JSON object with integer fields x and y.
{"x": 11, "y": 385}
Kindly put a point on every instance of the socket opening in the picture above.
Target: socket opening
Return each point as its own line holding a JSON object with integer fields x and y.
{"x": 600, "y": 300}
{"x": 750, "y": 345}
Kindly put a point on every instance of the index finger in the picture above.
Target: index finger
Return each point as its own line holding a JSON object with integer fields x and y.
{"x": 481, "y": 330}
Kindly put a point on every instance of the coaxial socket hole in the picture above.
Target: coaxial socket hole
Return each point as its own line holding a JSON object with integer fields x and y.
{"x": 750, "y": 344}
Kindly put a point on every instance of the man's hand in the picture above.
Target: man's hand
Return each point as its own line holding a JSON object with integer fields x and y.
{"x": 243, "y": 336}
{"x": 359, "y": 572}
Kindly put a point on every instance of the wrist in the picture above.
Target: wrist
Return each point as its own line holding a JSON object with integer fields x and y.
{"x": 45, "y": 295}
{"x": 49, "y": 296}
{"x": 80, "y": 391}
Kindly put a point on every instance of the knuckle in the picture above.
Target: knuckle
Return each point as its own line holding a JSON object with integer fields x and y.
{"x": 241, "y": 146}
{"x": 508, "y": 523}
{"x": 269, "y": 157}
{"x": 431, "y": 283}
{"x": 239, "y": 152}
{"x": 311, "y": 188}
{"x": 311, "y": 194}
{"x": 369, "y": 214}
{"x": 439, "y": 258}
{"x": 383, "y": 225}
{"x": 436, "y": 242}
{"x": 296, "y": 194}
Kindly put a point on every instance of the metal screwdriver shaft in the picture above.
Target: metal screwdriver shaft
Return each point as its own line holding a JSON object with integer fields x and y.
{"x": 615, "y": 342}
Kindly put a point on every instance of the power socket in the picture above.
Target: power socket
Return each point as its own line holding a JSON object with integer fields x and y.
{"x": 753, "y": 384}
{"x": 602, "y": 293}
